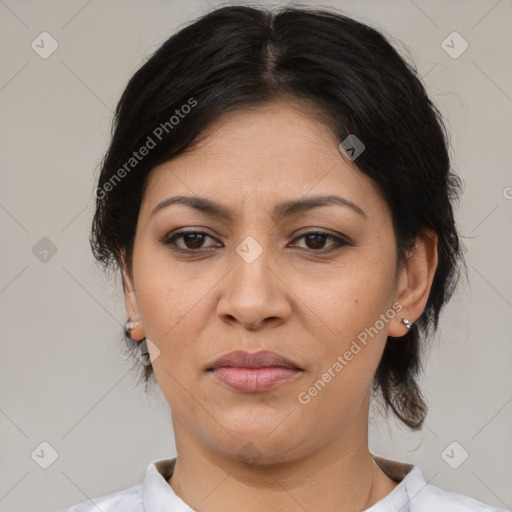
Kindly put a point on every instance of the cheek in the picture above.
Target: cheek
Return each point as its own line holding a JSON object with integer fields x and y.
{"x": 167, "y": 306}
{"x": 351, "y": 296}
{"x": 169, "y": 293}
{"x": 351, "y": 313}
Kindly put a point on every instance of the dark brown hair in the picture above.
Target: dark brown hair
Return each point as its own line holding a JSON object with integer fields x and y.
{"x": 238, "y": 56}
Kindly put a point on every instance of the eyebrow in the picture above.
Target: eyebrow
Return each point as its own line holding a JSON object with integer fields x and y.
{"x": 281, "y": 211}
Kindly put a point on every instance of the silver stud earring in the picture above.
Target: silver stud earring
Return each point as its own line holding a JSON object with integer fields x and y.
{"x": 407, "y": 323}
{"x": 132, "y": 325}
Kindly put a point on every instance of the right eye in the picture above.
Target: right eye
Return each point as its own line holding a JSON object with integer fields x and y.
{"x": 192, "y": 240}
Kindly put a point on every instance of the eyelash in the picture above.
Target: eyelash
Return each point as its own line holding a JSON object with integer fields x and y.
{"x": 340, "y": 242}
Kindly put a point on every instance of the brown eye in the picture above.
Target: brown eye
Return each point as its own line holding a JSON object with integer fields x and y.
{"x": 192, "y": 240}
{"x": 315, "y": 240}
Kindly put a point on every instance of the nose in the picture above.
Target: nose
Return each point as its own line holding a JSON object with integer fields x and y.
{"x": 254, "y": 295}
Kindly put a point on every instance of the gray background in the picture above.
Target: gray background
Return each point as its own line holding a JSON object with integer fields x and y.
{"x": 63, "y": 377}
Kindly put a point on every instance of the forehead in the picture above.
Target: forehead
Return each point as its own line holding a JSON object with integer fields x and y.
{"x": 275, "y": 152}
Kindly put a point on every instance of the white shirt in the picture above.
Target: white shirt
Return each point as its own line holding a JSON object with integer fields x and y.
{"x": 412, "y": 494}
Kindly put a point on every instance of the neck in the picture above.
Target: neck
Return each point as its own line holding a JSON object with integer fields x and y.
{"x": 337, "y": 477}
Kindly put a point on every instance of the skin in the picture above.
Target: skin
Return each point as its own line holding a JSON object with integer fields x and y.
{"x": 300, "y": 297}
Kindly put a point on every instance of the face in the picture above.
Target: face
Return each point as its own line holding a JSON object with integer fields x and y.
{"x": 259, "y": 279}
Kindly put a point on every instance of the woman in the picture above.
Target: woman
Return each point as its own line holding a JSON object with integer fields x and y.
{"x": 277, "y": 196}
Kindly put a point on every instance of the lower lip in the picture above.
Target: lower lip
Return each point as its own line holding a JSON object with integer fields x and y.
{"x": 254, "y": 380}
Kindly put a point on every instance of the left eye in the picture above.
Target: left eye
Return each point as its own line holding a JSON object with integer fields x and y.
{"x": 318, "y": 239}
{"x": 193, "y": 240}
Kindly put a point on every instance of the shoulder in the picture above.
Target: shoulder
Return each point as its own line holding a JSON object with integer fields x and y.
{"x": 424, "y": 497}
{"x": 414, "y": 494}
{"x": 153, "y": 493}
{"x": 127, "y": 500}
{"x": 434, "y": 498}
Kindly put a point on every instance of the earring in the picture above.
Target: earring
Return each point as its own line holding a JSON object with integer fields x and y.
{"x": 131, "y": 325}
{"x": 136, "y": 329}
{"x": 407, "y": 323}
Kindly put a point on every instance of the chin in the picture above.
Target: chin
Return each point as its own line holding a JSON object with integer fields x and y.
{"x": 263, "y": 443}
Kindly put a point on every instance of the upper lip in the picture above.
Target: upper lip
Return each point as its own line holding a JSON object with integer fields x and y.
{"x": 260, "y": 359}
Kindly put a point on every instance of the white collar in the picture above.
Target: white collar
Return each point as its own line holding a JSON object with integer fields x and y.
{"x": 158, "y": 495}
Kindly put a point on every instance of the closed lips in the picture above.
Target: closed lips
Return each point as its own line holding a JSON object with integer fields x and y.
{"x": 261, "y": 359}
{"x": 256, "y": 372}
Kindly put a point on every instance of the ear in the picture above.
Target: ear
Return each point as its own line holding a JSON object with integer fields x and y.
{"x": 130, "y": 300}
{"x": 415, "y": 281}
